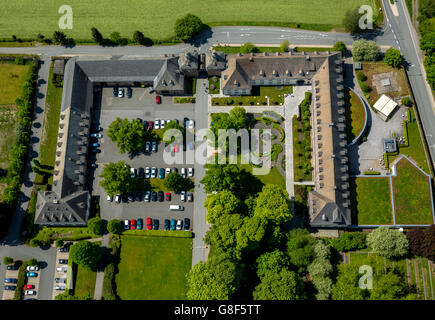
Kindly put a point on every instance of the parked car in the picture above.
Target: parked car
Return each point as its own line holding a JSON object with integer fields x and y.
{"x": 131, "y": 197}
{"x": 168, "y": 171}
{"x": 183, "y": 172}
{"x": 141, "y": 173}
{"x": 191, "y": 124}
{"x": 147, "y": 196}
{"x": 126, "y": 224}
{"x": 95, "y": 145}
{"x": 175, "y": 148}
{"x": 174, "y": 170}
{"x": 166, "y": 227}
{"x": 154, "y": 146}
{"x": 168, "y": 196}
{"x": 124, "y": 198}
{"x": 12, "y": 267}
{"x": 145, "y": 125}
{"x": 98, "y": 129}
{"x": 190, "y": 196}
{"x": 96, "y": 135}
{"x": 162, "y": 173}
{"x": 129, "y": 92}
{"x": 154, "y": 196}
{"x": 155, "y": 224}
{"x": 149, "y": 223}
{"x": 150, "y": 125}
{"x": 29, "y": 286}
{"x": 147, "y": 146}
{"x": 173, "y": 223}
{"x": 157, "y": 124}
{"x": 109, "y": 198}
{"x": 158, "y": 99}
{"x": 63, "y": 249}
{"x": 29, "y": 292}
{"x": 160, "y": 196}
{"x": 190, "y": 171}
{"x": 60, "y": 287}
{"x": 121, "y": 93}
{"x": 186, "y": 223}
{"x": 115, "y": 91}
{"x": 133, "y": 172}
{"x": 133, "y": 224}
{"x": 185, "y": 120}
{"x": 162, "y": 124}
{"x": 183, "y": 196}
{"x": 117, "y": 198}
{"x": 34, "y": 274}
{"x": 191, "y": 145}
{"x": 153, "y": 172}
{"x": 61, "y": 269}
{"x": 11, "y": 288}
{"x": 179, "y": 224}
{"x": 139, "y": 196}
{"x": 147, "y": 172}
{"x": 11, "y": 280}
{"x": 32, "y": 268}
{"x": 96, "y": 150}
{"x": 139, "y": 224}
{"x": 59, "y": 280}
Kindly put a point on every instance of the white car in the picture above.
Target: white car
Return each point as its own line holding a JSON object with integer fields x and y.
{"x": 117, "y": 198}
{"x": 32, "y": 268}
{"x": 162, "y": 124}
{"x": 183, "y": 172}
{"x": 133, "y": 172}
{"x": 168, "y": 171}
{"x": 109, "y": 198}
{"x": 61, "y": 269}
{"x": 179, "y": 225}
{"x": 126, "y": 224}
{"x": 190, "y": 170}
{"x": 147, "y": 172}
{"x": 60, "y": 287}
{"x": 153, "y": 172}
{"x": 191, "y": 124}
{"x": 96, "y": 135}
{"x": 157, "y": 124}
{"x": 147, "y": 196}
{"x": 29, "y": 292}
{"x": 120, "y": 93}
{"x": 183, "y": 196}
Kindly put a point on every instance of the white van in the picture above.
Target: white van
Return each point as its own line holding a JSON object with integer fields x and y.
{"x": 176, "y": 208}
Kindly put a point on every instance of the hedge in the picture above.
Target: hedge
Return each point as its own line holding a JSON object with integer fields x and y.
{"x": 371, "y": 173}
{"x": 159, "y": 233}
{"x": 386, "y": 162}
{"x": 405, "y": 133}
{"x": 19, "y": 291}
{"x": 184, "y": 100}
{"x": 277, "y": 126}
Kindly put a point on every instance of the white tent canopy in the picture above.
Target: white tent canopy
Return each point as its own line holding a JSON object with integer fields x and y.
{"x": 385, "y": 105}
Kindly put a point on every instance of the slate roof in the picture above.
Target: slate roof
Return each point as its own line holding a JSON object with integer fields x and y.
{"x": 169, "y": 77}
{"x": 189, "y": 61}
{"x": 215, "y": 61}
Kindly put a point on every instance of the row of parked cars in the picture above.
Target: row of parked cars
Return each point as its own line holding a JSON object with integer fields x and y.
{"x": 151, "y": 172}
{"x": 153, "y": 224}
{"x": 30, "y": 273}
{"x": 148, "y": 196}
{"x": 119, "y": 92}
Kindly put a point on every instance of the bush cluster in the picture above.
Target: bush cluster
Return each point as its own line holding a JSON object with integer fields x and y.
{"x": 349, "y": 241}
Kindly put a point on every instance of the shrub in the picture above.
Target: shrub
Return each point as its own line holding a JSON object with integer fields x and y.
{"x": 19, "y": 291}
{"x": 59, "y": 243}
{"x": 212, "y": 87}
{"x": 349, "y": 241}
{"x": 248, "y": 47}
{"x": 187, "y": 26}
{"x": 115, "y": 226}
{"x": 32, "y": 262}
{"x": 96, "y": 226}
{"x": 340, "y": 46}
{"x": 360, "y": 76}
{"x": 393, "y": 57}
{"x": 284, "y": 46}
{"x": 365, "y": 87}
{"x": 372, "y": 173}
{"x": 230, "y": 101}
{"x": 19, "y": 60}
{"x": 406, "y": 101}
{"x": 8, "y": 260}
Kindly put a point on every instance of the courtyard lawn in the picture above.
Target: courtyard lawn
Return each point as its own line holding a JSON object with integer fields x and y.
{"x": 84, "y": 282}
{"x": 156, "y": 18}
{"x": 370, "y": 200}
{"x": 49, "y": 132}
{"x": 153, "y": 268}
{"x": 11, "y": 81}
{"x": 355, "y": 114}
{"x": 411, "y": 189}
{"x": 216, "y": 83}
{"x": 301, "y": 173}
{"x": 275, "y": 96}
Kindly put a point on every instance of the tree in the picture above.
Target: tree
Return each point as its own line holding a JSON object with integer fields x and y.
{"x": 406, "y": 101}
{"x": 59, "y": 243}
{"x": 427, "y": 43}
{"x": 221, "y": 203}
{"x": 349, "y": 241}
{"x": 175, "y": 182}
{"x": 422, "y": 242}
{"x": 273, "y": 261}
{"x": 115, "y": 37}
{"x": 96, "y": 226}
{"x": 284, "y": 285}
{"x": 8, "y": 260}
{"x": 117, "y": 178}
{"x": 389, "y": 286}
{"x": 340, "y": 46}
{"x": 393, "y": 57}
{"x": 96, "y": 35}
{"x": 346, "y": 286}
{"x": 187, "y": 26}
{"x": 222, "y": 177}
{"x": 284, "y": 46}
{"x": 300, "y": 248}
{"x": 273, "y": 204}
{"x": 32, "y": 262}
{"x": 351, "y": 21}
{"x": 175, "y": 134}
{"x": 238, "y": 118}
{"x": 115, "y": 226}
{"x": 59, "y": 37}
{"x": 216, "y": 279}
{"x": 429, "y": 243}
{"x": 86, "y": 254}
{"x": 138, "y": 37}
{"x": 363, "y": 50}
{"x": 128, "y": 136}
{"x": 222, "y": 234}
{"x": 388, "y": 243}
{"x": 248, "y": 47}
{"x": 252, "y": 232}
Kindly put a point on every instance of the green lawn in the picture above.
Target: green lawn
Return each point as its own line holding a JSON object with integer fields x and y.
{"x": 84, "y": 281}
{"x": 156, "y": 18}
{"x": 258, "y": 97}
{"x": 299, "y": 160}
{"x": 153, "y": 268}
{"x": 11, "y": 81}
{"x": 355, "y": 114}
{"x": 216, "y": 83}
{"x": 49, "y": 132}
{"x": 412, "y": 201}
{"x": 370, "y": 200}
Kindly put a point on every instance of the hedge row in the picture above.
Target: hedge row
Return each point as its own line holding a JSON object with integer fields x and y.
{"x": 386, "y": 162}
{"x": 19, "y": 291}
{"x": 111, "y": 269}
{"x": 278, "y": 127}
{"x": 159, "y": 233}
{"x": 405, "y": 133}
{"x": 372, "y": 173}
{"x": 18, "y": 153}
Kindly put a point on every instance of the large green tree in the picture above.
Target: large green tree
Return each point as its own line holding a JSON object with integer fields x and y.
{"x": 86, "y": 254}
{"x": 363, "y": 50}
{"x": 115, "y": 226}
{"x": 187, "y": 26}
{"x": 389, "y": 286}
{"x": 273, "y": 261}
{"x": 283, "y": 285}
{"x": 175, "y": 182}
{"x": 340, "y": 46}
{"x": 117, "y": 178}
{"x": 393, "y": 57}
{"x": 128, "y": 135}
{"x": 96, "y": 226}
{"x": 251, "y": 234}
{"x": 351, "y": 20}
{"x": 388, "y": 243}
{"x": 221, "y": 203}
{"x": 273, "y": 204}
{"x": 223, "y": 177}
{"x": 346, "y": 286}
{"x": 300, "y": 248}
{"x": 248, "y": 47}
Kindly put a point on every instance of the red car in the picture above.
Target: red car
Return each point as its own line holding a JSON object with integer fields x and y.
{"x": 176, "y": 148}
{"x": 132, "y": 224}
{"x": 149, "y": 223}
{"x": 150, "y": 125}
{"x": 158, "y": 99}
{"x": 168, "y": 196}
{"x": 29, "y": 286}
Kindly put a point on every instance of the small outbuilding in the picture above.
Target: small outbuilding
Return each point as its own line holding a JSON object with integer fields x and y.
{"x": 385, "y": 106}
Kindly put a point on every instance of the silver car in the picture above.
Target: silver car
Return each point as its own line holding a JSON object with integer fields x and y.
{"x": 162, "y": 124}
{"x": 147, "y": 196}
{"x": 147, "y": 173}
{"x": 183, "y": 196}
{"x": 190, "y": 170}
{"x": 179, "y": 225}
{"x": 153, "y": 172}
{"x": 157, "y": 124}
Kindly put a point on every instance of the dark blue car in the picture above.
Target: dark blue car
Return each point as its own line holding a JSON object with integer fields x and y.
{"x": 166, "y": 224}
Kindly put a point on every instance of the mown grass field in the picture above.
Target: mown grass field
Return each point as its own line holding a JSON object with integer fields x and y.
{"x": 156, "y": 18}
{"x": 84, "y": 282}
{"x": 11, "y": 81}
{"x": 153, "y": 268}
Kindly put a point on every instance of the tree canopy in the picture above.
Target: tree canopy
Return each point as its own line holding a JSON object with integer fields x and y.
{"x": 128, "y": 135}
{"x": 363, "y": 50}
{"x": 351, "y": 21}
{"x": 300, "y": 248}
{"x": 96, "y": 226}
{"x": 388, "y": 243}
{"x": 117, "y": 178}
{"x": 340, "y": 46}
{"x": 177, "y": 135}
{"x": 248, "y": 47}
{"x": 223, "y": 177}
{"x": 175, "y": 182}
{"x": 115, "y": 226}
{"x": 393, "y": 57}
{"x": 273, "y": 261}
{"x": 221, "y": 203}
{"x": 273, "y": 204}
{"x": 86, "y": 254}
{"x": 346, "y": 286}
{"x": 283, "y": 285}
{"x": 283, "y": 47}
{"x": 187, "y": 26}
{"x": 349, "y": 241}
{"x": 422, "y": 242}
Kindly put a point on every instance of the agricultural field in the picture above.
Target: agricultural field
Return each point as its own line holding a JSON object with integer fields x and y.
{"x": 156, "y": 18}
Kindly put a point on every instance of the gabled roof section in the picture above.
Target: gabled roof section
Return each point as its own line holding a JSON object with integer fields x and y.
{"x": 169, "y": 77}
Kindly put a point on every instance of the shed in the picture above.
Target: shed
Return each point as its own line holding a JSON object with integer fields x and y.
{"x": 357, "y": 65}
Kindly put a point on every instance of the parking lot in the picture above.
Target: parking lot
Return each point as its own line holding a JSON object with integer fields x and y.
{"x": 61, "y": 274}
{"x": 142, "y": 105}
{"x": 32, "y": 283}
